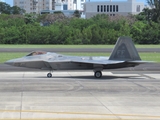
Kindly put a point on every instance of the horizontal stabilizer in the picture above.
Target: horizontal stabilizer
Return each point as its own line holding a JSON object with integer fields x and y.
{"x": 140, "y": 62}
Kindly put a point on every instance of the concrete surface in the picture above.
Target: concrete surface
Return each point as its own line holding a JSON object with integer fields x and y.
{"x": 78, "y": 95}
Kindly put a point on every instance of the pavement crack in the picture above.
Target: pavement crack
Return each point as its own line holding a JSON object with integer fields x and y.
{"x": 21, "y": 102}
{"x": 105, "y": 106}
{"x": 143, "y": 75}
{"x": 80, "y": 87}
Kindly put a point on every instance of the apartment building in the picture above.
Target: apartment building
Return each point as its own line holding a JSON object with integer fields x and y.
{"x": 35, "y": 6}
{"x": 69, "y": 5}
{"x": 61, "y": 5}
{"x": 113, "y": 8}
{"x": 76, "y": 5}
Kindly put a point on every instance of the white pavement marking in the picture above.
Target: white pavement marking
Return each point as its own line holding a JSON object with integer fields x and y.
{"x": 156, "y": 76}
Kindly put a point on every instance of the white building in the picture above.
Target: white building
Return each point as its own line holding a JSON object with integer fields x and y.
{"x": 76, "y": 5}
{"x": 113, "y": 8}
{"x": 69, "y": 5}
{"x": 61, "y": 5}
{"x": 34, "y": 6}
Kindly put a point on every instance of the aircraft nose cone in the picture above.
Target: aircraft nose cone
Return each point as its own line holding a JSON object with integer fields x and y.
{"x": 9, "y": 62}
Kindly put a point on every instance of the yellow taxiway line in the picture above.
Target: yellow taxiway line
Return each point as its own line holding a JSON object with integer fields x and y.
{"x": 81, "y": 113}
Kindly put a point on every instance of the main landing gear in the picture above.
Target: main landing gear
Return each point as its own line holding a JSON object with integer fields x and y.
{"x": 49, "y": 75}
{"x": 97, "y": 74}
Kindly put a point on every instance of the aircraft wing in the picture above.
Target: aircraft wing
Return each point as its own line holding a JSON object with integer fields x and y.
{"x": 100, "y": 62}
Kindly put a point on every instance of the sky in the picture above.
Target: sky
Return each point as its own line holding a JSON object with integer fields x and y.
{"x": 11, "y": 1}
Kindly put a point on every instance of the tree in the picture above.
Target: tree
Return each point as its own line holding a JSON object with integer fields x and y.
{"x": 137, "y": 31}
{"x": 155, "y": 12}
{"x": 30, "y": 18}
{"x": 144, "y": 15}
{"x": 77, "y": 14}
{"x": 17, "y": 10}
{"x": 48, "y": 19}
{"x": 5, "y": 8}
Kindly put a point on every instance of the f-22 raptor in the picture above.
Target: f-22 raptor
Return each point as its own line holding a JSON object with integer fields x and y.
{"x": 123, "y": 55}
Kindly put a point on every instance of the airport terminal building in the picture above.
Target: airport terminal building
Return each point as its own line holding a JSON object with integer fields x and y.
{"x": 113, "y": 8}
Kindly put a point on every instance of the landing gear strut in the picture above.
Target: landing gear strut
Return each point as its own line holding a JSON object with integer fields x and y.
{"x": 49, "y": 75}
{"x": 97, "y": 74}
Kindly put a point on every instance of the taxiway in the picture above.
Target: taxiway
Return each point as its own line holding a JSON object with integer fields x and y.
{"x": 78, "y": 95}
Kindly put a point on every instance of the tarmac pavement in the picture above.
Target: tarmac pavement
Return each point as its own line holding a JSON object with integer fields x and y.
{"x": 78, "y": 95}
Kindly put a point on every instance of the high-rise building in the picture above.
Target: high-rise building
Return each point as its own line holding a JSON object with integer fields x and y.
{"x": 71, "y": 4}
{"x": 61, "y": 5}
{"x": 34, "y": 6}
{"x": 76, "y": 5}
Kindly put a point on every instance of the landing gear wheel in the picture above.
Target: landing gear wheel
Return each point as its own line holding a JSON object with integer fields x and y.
{"x": 49, "y": 75}
{"x": 98, "y": 74}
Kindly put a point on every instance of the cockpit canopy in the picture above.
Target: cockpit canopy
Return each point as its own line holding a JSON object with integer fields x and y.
{"x": 36, "y": 53}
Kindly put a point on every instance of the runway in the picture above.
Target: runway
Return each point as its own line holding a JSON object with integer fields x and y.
{"x": 117, "y": 95}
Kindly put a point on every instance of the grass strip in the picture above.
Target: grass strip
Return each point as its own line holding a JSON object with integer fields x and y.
{"x": 71, "y": 46}
{"x": 144, "y": 56}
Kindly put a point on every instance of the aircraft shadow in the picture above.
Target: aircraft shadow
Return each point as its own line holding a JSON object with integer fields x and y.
{"x": 108, "y": 77}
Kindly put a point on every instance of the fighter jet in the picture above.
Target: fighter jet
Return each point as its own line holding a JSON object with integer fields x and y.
{"x": 123, "y": 55}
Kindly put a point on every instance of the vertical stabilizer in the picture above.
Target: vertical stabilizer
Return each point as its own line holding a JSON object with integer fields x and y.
{"x": 124, "y": 50}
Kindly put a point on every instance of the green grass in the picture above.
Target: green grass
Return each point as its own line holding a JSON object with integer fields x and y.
{"x": 150, "y": 56}
{"x": 71, "y": 46}
{"x": 145, "y": 56}
{"x": 147, "y": 46}
{"x": 56, "y": 46}
{"x": 7, "y": 56}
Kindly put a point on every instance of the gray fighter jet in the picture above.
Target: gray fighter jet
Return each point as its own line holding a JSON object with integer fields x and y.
{"x": 123, "y": 55}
